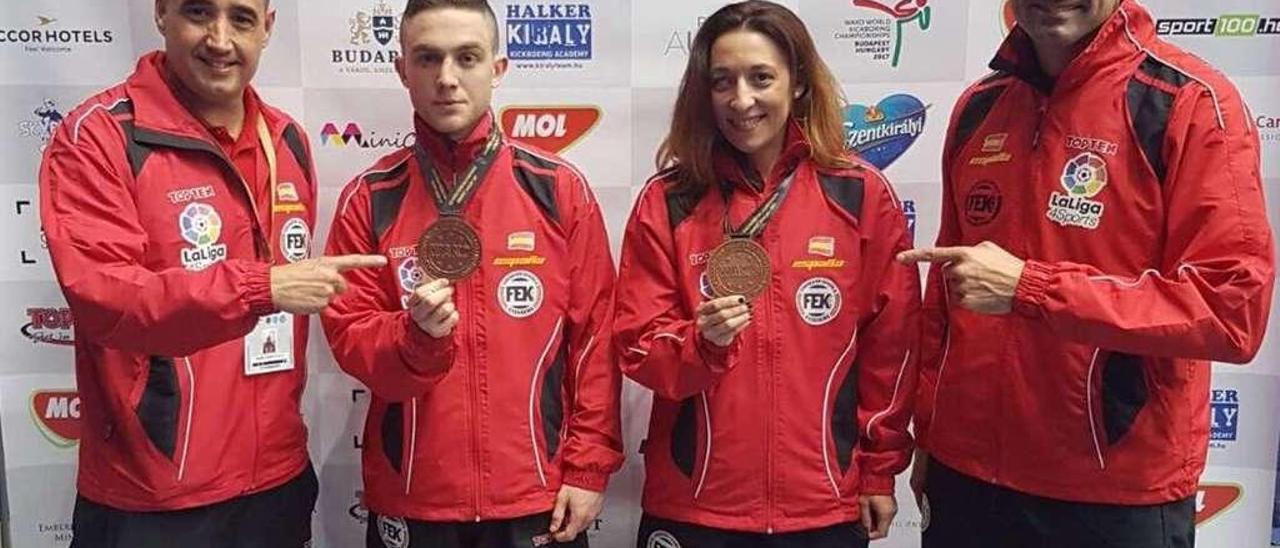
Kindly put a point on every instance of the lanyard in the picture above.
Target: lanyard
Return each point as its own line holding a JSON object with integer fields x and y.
{"x": 269, "y": 150}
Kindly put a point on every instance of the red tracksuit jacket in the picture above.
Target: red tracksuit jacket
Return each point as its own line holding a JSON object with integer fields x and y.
{"x": 523, "y": 395}
{"x": 165, "y": 262}
{"x": 1131, "y": 186}
{"x": 808, "y": 408}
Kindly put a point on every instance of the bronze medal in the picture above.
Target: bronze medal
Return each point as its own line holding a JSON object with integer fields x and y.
{"x": 740, "y": 266}
{"x": 449, "y": 248}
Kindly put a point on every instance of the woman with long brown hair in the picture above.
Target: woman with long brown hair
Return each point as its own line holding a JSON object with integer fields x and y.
{"x": 759, "y": 299}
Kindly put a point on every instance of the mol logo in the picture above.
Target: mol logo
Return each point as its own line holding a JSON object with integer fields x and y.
{"x": 57, "y": 415}
{"x": 1215, "y": 499}
{"x": 554, "y": 128}
{"x": 50, "y": 326}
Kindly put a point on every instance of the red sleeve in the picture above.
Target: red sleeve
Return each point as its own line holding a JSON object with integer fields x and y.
{"x": 655, "y": 334}
{"x": 98, "y": 248}
{"x": 593, "y": 441}
{"x": 887, "y": 336}
{"x": 1210, "y": 295}
{"x": 372, "y": 337}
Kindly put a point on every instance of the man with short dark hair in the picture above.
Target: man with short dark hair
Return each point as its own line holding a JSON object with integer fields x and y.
{"x": 179, "y": 209}
{"x": 495, "y": 413}
{"x": 1103, "y": 238}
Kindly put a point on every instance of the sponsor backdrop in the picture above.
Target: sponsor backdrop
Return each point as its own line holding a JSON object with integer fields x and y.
{"x": 593, "y": 80}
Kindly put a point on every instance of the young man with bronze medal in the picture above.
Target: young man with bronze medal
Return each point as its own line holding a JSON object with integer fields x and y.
{"x": 494, "y": 420}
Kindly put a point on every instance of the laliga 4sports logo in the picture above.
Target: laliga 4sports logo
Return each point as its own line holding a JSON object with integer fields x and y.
{"x": 57, "y": 416}
{"x": 1215, "y": 499}
{"x": 553, "y": 128}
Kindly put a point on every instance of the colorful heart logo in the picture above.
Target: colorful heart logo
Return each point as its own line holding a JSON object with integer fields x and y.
{"x": 883, "y": 132}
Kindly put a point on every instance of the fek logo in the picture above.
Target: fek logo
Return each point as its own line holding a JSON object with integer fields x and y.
{"x": 49, "y": 326}
{"x": 551, "y": 128}
{"x": 882, "y": 132}
{"x": 1224, "y": 413}
{"x": 57, "y": 416}
{"x": 904, "y": 12}
{"x": 1214, "y": 499}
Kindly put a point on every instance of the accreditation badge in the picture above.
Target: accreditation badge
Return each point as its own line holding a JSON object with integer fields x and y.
{"x": 269, "y": 348}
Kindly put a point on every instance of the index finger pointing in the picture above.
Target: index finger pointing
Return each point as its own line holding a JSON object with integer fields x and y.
{"x": 932, "y": 255}
{"x": 348, "y": 262}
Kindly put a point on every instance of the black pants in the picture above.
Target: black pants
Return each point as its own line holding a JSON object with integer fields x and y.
{"x": 276, "y": 518}
{"x": 662, "y": 533}
{"x": 968, "y": 513}
{"x": 525, "y": 532}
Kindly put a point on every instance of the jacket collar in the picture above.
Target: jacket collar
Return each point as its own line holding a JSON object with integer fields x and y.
{"x": 450, "y": 156}
{"x": 735, "y": 167}
{"x": 1123, "y": 35}
{"x": 156, "y": 107}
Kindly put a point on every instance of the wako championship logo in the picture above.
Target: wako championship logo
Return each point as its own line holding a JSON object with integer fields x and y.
{"x": 881, "y": 38}
{"x": 882, "y": 132}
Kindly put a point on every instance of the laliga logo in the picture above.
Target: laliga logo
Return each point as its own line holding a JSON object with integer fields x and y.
{"x": 551, "y": 128}
{"x": 57, "y": 415}
{"x": 1213, "y": 499}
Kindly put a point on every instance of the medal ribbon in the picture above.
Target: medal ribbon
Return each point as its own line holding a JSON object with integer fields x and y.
{"x": 452, "y": 203}
{"x": 759, "y": 219}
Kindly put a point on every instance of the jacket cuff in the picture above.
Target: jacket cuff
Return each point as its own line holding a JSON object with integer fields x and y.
{"x": 422, "y": 353}
{"x": 872, "y": 484}
{"x": 1030, "y": 293}
{"x": 585, "y": 479}
{"x": 256, "y": 288}
{"x": 718, "y": 359}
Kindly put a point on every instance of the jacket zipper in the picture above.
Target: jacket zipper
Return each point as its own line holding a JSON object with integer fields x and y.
{"x": 475, "y": 390}
{"x": 1041, "y": 109}
{"x": 769, "y": 372}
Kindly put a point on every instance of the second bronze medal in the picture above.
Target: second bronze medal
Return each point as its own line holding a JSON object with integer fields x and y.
{"x": 739, "y": 266}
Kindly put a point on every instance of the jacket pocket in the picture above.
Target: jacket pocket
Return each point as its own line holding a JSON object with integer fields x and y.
{"x": 1124, "y": 394}
{"x": 159, "y": 405}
